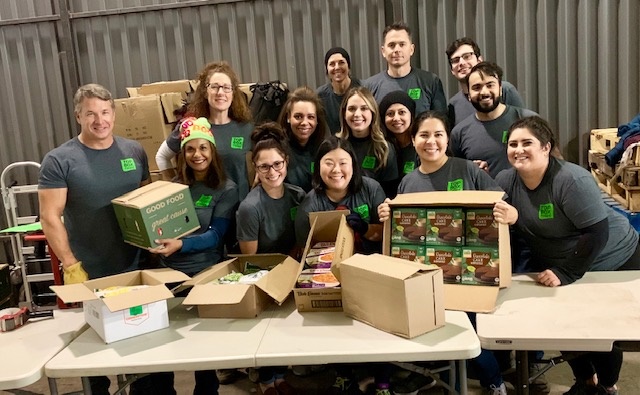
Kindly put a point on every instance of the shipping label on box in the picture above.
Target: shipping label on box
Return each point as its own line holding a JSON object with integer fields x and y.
{"x": 482, "y": 229}
{"x": 445, "y": 226}
{"x": 408, "y": 225}
{"x": 410, "y": 252}
{"x": 158, "y": 210}
{"x": 480, "y": 266}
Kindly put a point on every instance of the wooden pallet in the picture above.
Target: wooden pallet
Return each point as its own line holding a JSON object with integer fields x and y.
{"x": 598, "y": 162}
{"x": 602, "y": 140}
{"x": 627, "y": 196}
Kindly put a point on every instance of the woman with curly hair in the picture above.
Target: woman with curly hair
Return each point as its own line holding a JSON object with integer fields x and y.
{"x": 303, "y": 119}
{"x": 219, "y": 99}
{"x": 360, "y": 125}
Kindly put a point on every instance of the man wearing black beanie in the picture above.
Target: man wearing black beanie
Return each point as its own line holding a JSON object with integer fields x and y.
{"x": 337, "y": 63}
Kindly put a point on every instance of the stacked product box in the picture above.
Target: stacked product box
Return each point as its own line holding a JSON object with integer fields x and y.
{"x": 462, "y": 241}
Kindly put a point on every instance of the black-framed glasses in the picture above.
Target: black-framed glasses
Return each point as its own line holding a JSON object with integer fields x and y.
{"x": 465, "y": 56}
{"x": 216, "y": 88}
{"x": 264, "y": 168}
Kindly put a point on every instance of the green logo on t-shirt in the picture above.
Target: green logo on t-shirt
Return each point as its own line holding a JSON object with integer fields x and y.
{"x": 204, "y": 201}
{"x": 455, "y": 185}
{"x": 312, "y": 166}
{"x": 369, "y": 162}
{"x": 363, "y": 211}
{"x": 505, "y": 136}
{"x": 408, "y": 167}
{"x": 546, "y": 211}
{"x": 128, "y": 164}
{"x": 292, "y": 212}
{"x": 415, "y": 93}
{"x": 237, "y": 142}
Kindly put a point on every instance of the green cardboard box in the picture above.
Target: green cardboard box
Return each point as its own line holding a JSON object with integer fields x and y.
{"x": 160, "y": 210}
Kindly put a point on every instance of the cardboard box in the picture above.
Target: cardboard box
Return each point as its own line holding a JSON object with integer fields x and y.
{"x": 458, "y": 296}
{"x": 242, "y": 300}
{"x": 161, "y": 209}
{"x": 394, "y": 295}
{"x": 129, "y": 314}
{"x": 326, "y": 226}
{"x": 142, "y": 119}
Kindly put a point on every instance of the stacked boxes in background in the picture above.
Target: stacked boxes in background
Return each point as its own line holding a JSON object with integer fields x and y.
{"x": 456, "y": 232}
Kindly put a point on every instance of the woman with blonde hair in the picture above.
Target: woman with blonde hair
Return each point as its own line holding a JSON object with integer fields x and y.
{"x": 304, "y": 121}
{"x": 219, "y": 99}
{"x": 360, "y": 125}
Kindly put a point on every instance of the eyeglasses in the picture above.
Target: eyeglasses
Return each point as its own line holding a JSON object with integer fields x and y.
{"x": 264, "y": 168}
{"x": 216, "y": 88}
{"x": 465, "y": 56}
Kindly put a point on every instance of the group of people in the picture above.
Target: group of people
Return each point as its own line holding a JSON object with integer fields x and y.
{"x": 351, "y": 145}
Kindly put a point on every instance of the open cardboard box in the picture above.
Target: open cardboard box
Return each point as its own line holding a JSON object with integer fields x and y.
{"x": 161, "y": 209}
{"x": 129, "y": 314}
{"x": 474, "y": 298}
{"x": 242, "y": 300}
{"x": 326, "y": 226}
{"x": 392, "y": 294}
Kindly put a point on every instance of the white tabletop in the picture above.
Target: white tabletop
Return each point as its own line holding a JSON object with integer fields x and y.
{"x": 27, "y": 349}
{"x": 190, "y": 343}
{"x": 588, "y": 315}
{"x": 294, "y": 338}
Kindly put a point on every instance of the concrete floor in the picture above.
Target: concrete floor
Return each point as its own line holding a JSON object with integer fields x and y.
{"x": 559, "y": 377}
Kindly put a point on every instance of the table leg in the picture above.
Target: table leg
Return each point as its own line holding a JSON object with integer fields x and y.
{"x": 452, "y": 375}
{"x": 53, "y": 386}
{"x": 86, "y": 386}
{"x": 462, "y": 376}
{"x": 522, "y": 373}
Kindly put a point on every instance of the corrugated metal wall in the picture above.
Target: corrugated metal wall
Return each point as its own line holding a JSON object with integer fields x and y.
{"x": 574, "y": 61}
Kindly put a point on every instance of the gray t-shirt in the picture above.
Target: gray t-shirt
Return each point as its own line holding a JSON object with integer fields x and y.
{"x": 477, "y": 140}
{"x": 365, "y": 202}
{"x": 269, "y": 221}
{"x": 455, "y": 175}
{"x": 331, "y": 102}
{"x": 301, "y": 164}
{"x": 233, "y": 141}
{"x": 92, "y": 178}
{"x": 363, "y": 148}
{"x": 460, "y": 107}
{"x": 550, "y": 217}
{"x": 209, "y": 204}
{"x": 422, "y": 86}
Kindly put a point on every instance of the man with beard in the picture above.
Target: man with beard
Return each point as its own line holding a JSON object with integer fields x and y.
{"x": 463, "y": 54}
{"x": 483, "y": 136}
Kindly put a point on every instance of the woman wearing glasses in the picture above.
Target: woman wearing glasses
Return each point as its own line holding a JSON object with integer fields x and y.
{"x": 265, "y": 220}
{"x": 218, "y": 99}
{"x": 303, "y": 119}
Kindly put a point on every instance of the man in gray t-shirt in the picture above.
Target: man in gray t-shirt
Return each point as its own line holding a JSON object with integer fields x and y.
{"x": 462, "y": 55}
{"x": 79, "y": 179}
{"x": 482, "y": 137}
{"x": 422, "y": 86}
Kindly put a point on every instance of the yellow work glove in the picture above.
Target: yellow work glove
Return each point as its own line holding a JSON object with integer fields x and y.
{"x": 75, "y": 274}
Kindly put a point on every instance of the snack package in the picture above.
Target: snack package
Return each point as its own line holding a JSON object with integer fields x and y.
{"x": 117, "y": 290}
{"x": 317, "y": 278}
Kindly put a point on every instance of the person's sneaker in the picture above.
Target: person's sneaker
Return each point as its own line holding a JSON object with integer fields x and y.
{"x": 539, "y": 385}
{"x": 383, "y": 391}
{"x": 581, "y": 388}
{"x": 229, "y": 376}
{"x": 344, "y": 385}
{"x": 412, "y": 384}
{"x": 604, "y": 391}
{"x": 499, "y": 390}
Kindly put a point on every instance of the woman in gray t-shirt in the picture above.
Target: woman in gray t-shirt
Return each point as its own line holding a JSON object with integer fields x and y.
{"x": 569, "y": 229}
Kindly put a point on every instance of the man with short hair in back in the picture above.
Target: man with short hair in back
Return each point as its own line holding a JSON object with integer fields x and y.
{"x": 422, "y": 86}
{"x": 462, "y": 55}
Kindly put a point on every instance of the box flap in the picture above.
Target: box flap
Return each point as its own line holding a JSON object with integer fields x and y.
{"x": 171, "y": 102}
{"x": 162, "y": 276}
{"x": 133, "y": 91}
{"x": 165, "y": 86}
{"x": 449, "y": 198}
{"x": 148, "y": 194}
{"x": 473, "y": 298}
{"x": 281, "y": 280}
{"x": 386, "y": 265}
{"x": 138, "y": 297}
{"x": 73, "y": 293}
{"x": 217, "y": 294}
{"x": 214, "y": 272}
